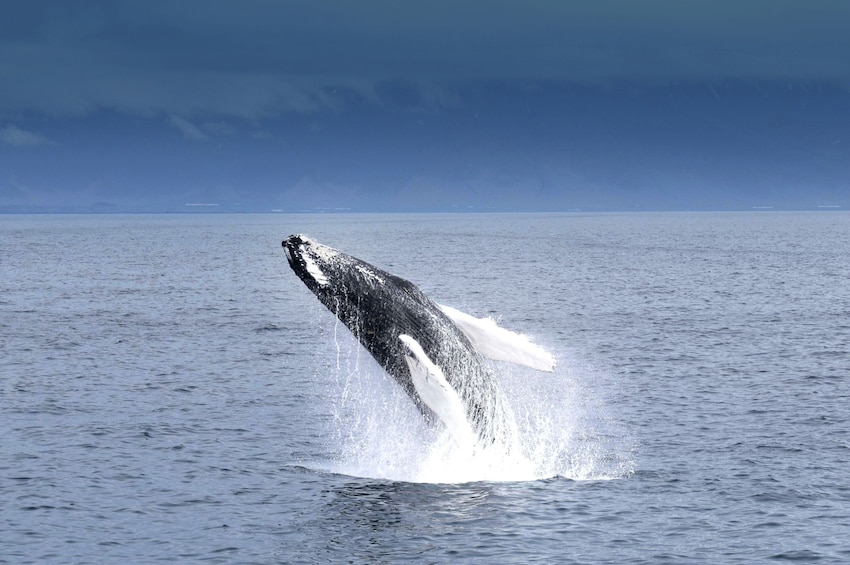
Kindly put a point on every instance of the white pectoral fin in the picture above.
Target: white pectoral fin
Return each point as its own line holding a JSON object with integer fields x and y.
{"x": 436, "y": 392}
{"x": 500, "y": 344}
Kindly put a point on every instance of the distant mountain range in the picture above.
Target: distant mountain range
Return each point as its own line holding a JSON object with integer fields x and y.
{"x": 481, "y": 146}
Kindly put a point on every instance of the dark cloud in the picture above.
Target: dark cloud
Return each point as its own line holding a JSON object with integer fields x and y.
{"x": 396, "y": 105}
{"x": 189, "y": 130}
{"x": 260, "y": 58}
{"x": 17, "y": 137}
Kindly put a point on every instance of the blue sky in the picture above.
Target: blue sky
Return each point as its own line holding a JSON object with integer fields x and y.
{"x": 417, "y": 106}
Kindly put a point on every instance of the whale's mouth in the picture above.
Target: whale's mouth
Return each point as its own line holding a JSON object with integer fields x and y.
{"x": 291, "y": 249}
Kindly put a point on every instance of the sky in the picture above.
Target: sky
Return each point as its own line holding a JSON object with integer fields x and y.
{"x": 466, "y": 105}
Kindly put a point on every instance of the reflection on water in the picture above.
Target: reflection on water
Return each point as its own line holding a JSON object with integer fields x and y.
{"x": 369, "y": 515}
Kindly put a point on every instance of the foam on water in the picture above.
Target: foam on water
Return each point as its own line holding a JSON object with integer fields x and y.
{"x": 563, "y": 429}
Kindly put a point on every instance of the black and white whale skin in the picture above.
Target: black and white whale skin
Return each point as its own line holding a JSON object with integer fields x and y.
{"x": 427, "y": 348}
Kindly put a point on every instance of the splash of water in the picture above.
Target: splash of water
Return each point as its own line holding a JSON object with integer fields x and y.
{"x": 563, "y": 429}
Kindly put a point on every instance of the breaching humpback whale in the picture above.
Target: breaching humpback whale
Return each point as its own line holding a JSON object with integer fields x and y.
{"x": 432, "y": 351}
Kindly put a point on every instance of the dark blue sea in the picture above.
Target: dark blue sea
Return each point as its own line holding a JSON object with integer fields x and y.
{"x": 171, "y": 392}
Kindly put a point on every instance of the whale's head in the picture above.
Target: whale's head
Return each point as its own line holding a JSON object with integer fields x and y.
{"x": 314, "y": 263}
{"x": 354, "y": 290}
{"x": 327, "y": 271}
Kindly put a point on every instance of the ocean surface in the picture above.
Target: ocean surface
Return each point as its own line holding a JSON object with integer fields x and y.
{"x": 171, "y": 392}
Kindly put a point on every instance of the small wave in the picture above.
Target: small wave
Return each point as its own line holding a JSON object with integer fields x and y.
{"x": 803, "y": 555}
{"x": 268, "y": 328}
